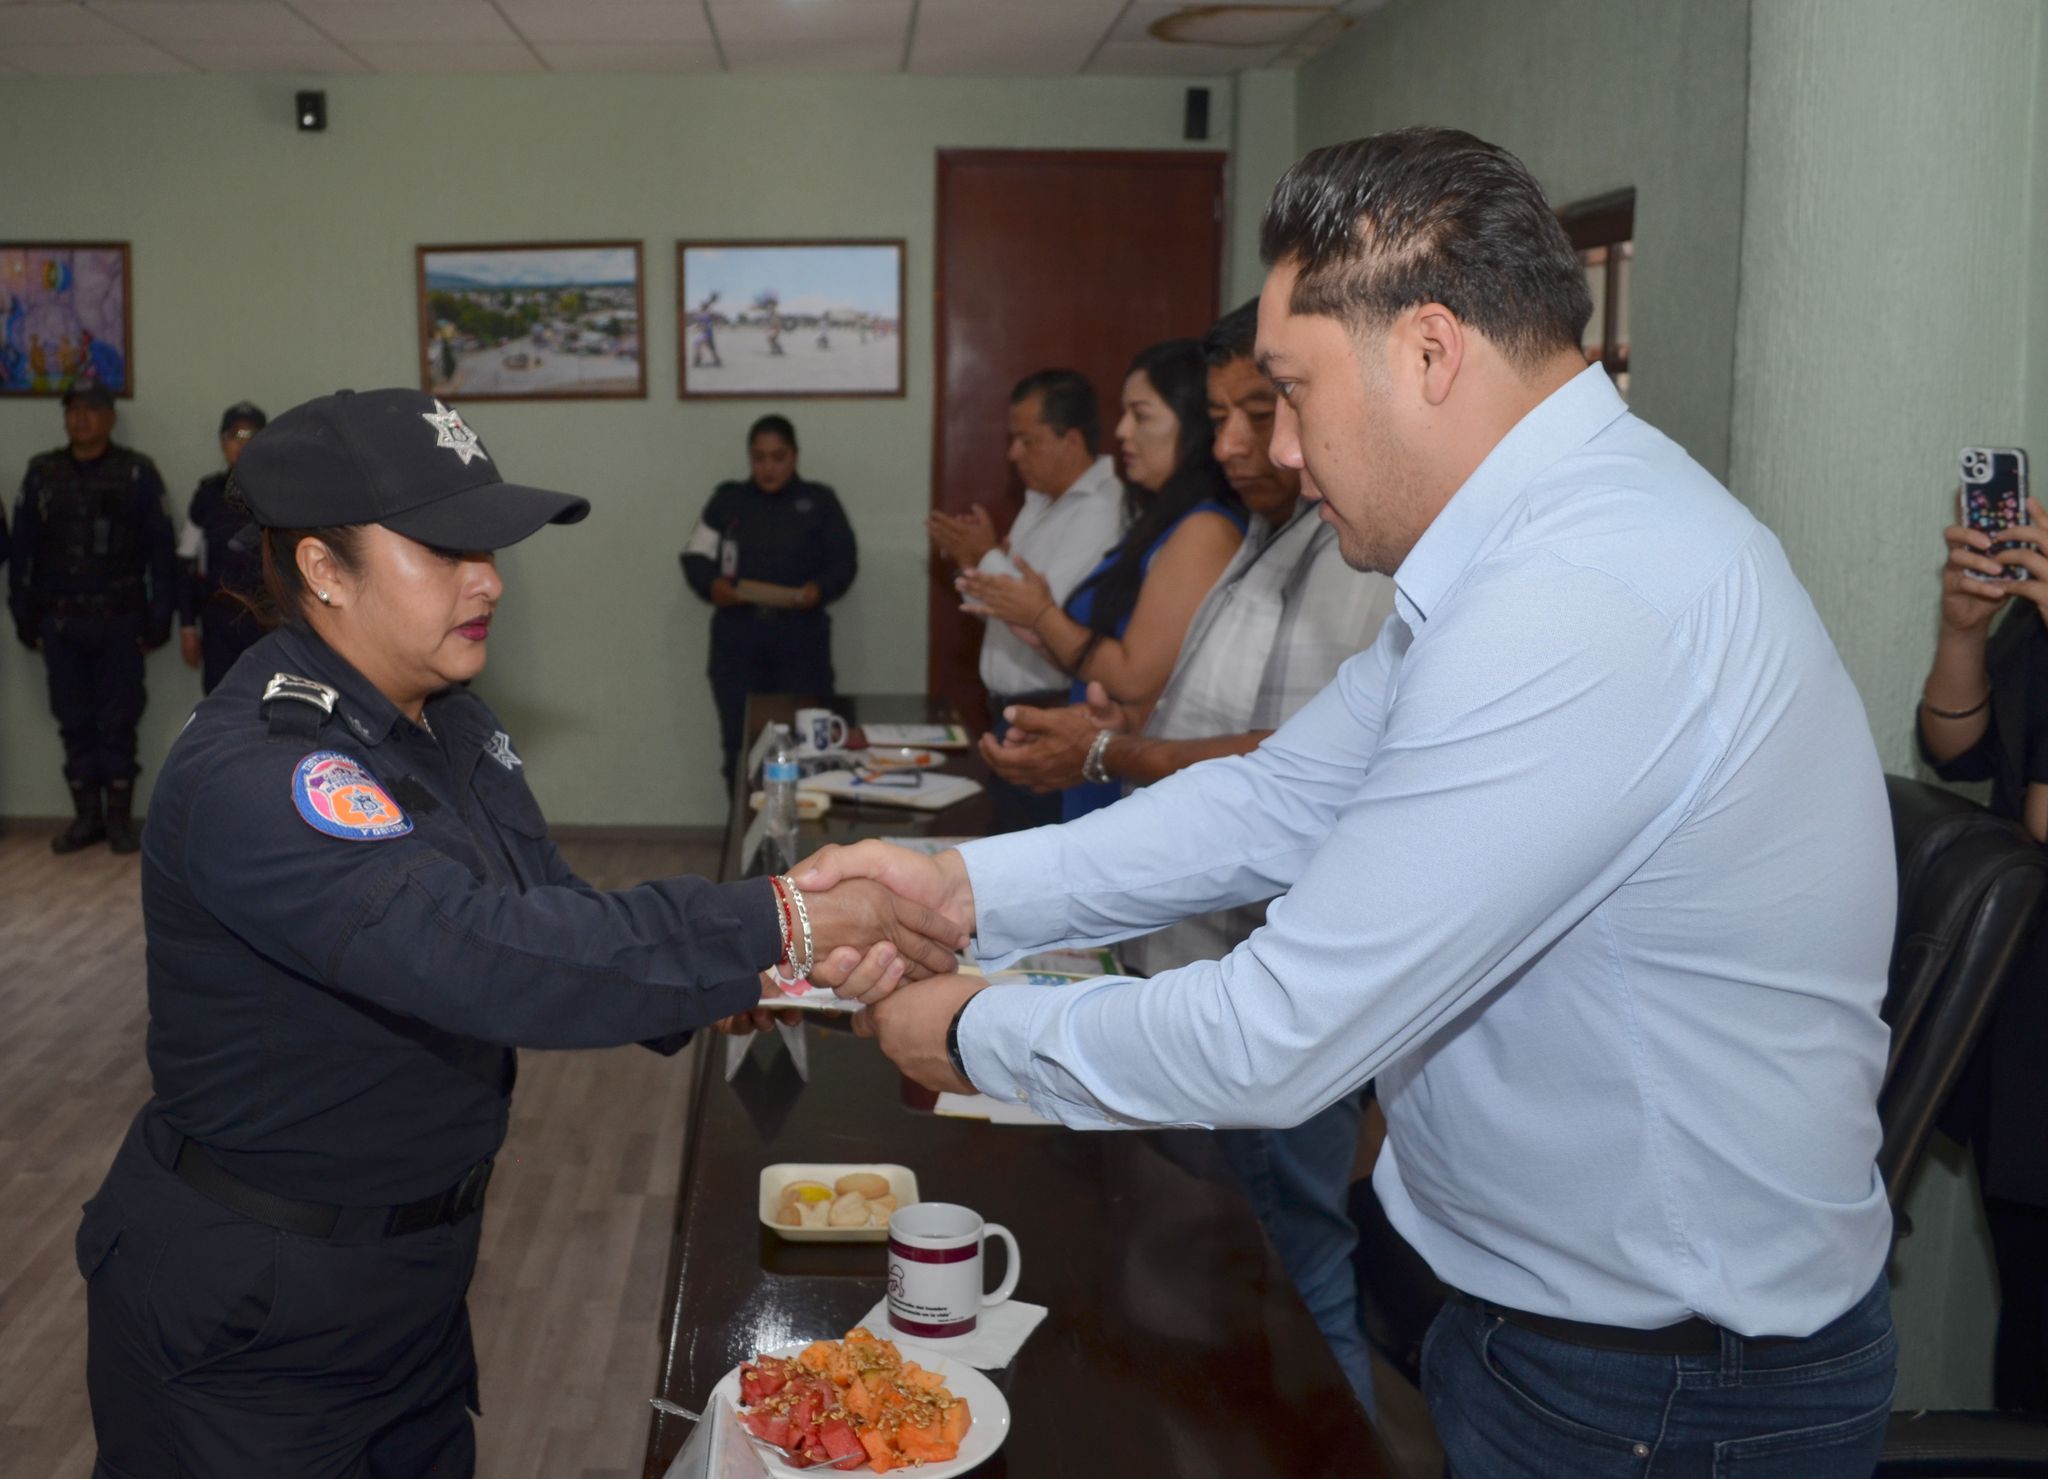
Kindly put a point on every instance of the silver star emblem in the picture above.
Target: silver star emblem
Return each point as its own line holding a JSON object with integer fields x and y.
{"x": 453, "y": 435}
{"x": 500, "y": 750}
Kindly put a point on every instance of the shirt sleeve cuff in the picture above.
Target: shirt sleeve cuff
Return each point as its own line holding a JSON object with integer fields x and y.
{"x": 995, "y": 1021}
{"x": 752, "y": 901}
{"x": 1007, "y": 875}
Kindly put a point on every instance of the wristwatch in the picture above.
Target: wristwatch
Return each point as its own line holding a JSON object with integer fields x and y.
{"x": 953, "y": 1041}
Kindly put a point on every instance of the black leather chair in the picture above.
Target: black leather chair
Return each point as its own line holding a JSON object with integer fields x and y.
{"x": 1971, "y": 887}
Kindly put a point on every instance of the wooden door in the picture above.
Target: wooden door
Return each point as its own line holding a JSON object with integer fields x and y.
{"x": 1062, "y": 259}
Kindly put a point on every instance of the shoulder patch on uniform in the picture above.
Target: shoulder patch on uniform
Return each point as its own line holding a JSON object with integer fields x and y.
{"x": 500, "y": 750}
{"x": 337, "y": 796}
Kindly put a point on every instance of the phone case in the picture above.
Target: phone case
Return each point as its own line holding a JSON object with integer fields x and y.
{"x": 1994, "y": 496}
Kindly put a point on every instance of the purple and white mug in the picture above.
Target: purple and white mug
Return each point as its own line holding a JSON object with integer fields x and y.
{"x": 935, "y": 1278}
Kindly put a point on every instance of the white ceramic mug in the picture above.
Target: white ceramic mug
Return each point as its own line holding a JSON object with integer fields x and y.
{"x": 935, "y": 1278}
{"x": 819, "y": 731}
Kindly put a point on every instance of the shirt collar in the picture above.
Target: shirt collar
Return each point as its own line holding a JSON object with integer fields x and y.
{"x": 368, "y": 713}
{"x": 1564, "y": 421}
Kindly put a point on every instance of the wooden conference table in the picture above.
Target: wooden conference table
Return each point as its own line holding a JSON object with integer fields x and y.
{"x": 1175, "y": 1343}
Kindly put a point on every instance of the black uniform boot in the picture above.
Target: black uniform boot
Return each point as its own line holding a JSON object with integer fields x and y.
{"x": 88, "y": 827}
{"x": 122, "y": 833}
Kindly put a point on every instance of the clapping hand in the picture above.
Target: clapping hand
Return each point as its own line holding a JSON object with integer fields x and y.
{"x": 1044, "y": 748}
{"x": 963, "y": 538}
{"x": 1022, "y": 600}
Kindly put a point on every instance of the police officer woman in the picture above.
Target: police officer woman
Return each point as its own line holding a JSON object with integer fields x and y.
{"x": 790, "y": 541}
{"x": 223, "y": 562}
{"x": 354, "y": 914}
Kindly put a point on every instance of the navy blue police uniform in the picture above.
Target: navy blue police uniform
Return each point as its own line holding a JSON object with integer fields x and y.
{"x": 93, "y": 582}
{"x": 353, "y": 921}
{"x": 223, "y": 564}
{"x": 795, "y": 536}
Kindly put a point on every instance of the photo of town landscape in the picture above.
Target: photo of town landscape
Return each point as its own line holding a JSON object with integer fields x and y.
{"x": 533, "y": 322}
{"x": 787, "y": 319}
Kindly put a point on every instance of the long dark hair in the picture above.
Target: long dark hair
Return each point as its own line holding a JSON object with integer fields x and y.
{"x": 1180, "y": 373}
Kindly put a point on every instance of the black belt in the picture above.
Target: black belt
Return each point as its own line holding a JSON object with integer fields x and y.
{"x": 1693, "y": 1337}
{"x": 90, "y": 603}
{"x": 189, "y": 1160}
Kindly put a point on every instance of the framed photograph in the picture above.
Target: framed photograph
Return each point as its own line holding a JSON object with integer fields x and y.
{"x": 789, "y": 319}
{"x": 64, "y": 316}
{"x": 532, "y": 321}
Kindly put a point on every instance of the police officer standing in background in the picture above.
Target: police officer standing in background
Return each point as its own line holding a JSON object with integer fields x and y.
{"x": 221, "y": 553}
{"x": 789, "y": 541}
{"x": 91, "y": 587}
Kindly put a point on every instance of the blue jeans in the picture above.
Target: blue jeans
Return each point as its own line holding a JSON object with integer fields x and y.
{"x": 1299, "y": 1183}
{"x": 1511, "y": 1404}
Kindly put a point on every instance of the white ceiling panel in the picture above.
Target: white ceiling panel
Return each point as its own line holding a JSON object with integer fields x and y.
{"x": 450, "y": 22}
{"x": 628, "y": 22}
{"x": 1048, "y": 39}
{"x": 812, "y": 21}
{"x": 126, "y": 58}
{"x": 1150, "y": 59}
{"x": 621, "y": 56}
{"x": 175, "y": 21}
{"x": 275, "y": 58}
{"x": 449, "y": 57}
{"x": 871, "y": 56}
{"x": 57, "y": 25}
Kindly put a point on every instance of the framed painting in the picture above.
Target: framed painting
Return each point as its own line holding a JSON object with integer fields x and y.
{"x": 788, "y": 319}
{"x": 532, "y": 321}
{"x": 65, "y": 316}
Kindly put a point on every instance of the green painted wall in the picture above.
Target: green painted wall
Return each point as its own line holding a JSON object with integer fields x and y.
{"x": 1260, "y": 150}
{"x": 1891, "y": 251}
{"x": 277, "y": 266}
{"x": 1593, "y": 95}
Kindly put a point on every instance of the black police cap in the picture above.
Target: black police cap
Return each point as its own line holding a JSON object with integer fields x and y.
{"x": 242, "y": 413}
{"x": 393, "y": 457}
{"x": 88, "y": 393}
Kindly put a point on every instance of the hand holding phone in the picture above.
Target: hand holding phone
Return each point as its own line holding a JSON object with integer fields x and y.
{"x": 1993, "y": 499}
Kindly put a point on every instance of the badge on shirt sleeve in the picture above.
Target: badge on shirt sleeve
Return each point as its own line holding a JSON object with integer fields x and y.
{"x": 337, "y": 796}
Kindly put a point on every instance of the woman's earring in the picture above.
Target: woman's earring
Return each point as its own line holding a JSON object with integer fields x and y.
{"x": 325, "y": 599}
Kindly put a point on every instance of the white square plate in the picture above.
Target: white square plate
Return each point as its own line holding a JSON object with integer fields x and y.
{"x": 902, "y": 1185}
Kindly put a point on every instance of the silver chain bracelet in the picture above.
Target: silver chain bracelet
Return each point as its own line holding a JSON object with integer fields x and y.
{"x": 1091, "y": 768}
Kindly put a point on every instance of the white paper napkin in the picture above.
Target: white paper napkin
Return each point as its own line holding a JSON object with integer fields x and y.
{"x": 998, "y": 1334}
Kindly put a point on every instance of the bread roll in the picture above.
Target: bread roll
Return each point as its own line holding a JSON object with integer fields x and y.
{"x": 879, "y": 1211}
{"x": 866, "y": 1183}
{"x": 814, "y": 1214}
{"x": 791, "y": 1215}
{"x": 850, "y": 1210}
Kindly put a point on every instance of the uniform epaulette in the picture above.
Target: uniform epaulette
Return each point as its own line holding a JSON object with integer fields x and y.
{"x": 308, "y": 710}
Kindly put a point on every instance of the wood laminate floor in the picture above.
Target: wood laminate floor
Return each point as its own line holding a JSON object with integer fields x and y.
{"x": 566, "y": 1299}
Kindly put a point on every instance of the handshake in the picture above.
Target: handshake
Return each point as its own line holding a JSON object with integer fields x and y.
{"x": 881, "y": 917}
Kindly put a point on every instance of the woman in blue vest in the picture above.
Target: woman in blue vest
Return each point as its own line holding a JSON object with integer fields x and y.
{"x": 1122, "y": 627}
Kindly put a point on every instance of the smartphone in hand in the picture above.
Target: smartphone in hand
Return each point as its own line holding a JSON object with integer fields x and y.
{"x": 1993, "y": 498}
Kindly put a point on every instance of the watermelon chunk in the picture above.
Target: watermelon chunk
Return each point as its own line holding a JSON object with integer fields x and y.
{"x": 840, "y": 1443}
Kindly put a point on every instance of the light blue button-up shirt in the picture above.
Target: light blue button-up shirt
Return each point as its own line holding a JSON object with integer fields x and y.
{"x": 1587, "y": 860}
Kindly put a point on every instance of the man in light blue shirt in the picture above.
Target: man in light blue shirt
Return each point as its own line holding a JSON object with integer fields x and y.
{"x": 1587, "y": 860}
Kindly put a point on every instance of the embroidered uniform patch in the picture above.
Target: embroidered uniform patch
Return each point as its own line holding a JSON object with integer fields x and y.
{"x": 337, "y": 796}
{"x": 500, "y": 750}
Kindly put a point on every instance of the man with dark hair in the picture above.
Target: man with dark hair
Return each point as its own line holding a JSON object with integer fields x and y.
{"x": 1271, "y": 634}
{"x": 223, "y": 562}
{"x": 1560, "y": 874}
{"x": 1073, "y": 512}
{"x": 92, "y": 587}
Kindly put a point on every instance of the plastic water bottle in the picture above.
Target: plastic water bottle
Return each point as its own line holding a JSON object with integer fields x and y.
{"x": 778, "y": 783}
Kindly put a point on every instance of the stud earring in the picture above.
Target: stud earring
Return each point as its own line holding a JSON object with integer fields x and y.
{"x": 325, "y": 599}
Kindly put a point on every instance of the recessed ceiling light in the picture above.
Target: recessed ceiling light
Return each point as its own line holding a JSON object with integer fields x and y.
{"x": 1247, "y": 26}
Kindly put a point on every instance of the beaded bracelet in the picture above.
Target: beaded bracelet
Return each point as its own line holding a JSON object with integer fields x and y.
{"x": 785, "y": 920}
{"x": 1092, "y": 769}
{"x": 803, "y": 919}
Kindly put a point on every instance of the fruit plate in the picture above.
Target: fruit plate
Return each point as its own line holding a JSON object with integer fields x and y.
{"x": 902, "y": 1185}
{"x": 990, "y": 1412}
